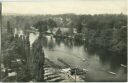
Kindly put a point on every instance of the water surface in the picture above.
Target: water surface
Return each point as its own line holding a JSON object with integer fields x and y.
{"x": 101, "y": 66}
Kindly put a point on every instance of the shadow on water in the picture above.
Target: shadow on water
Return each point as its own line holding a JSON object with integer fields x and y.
{"x": 68, "y": 42}
{"x": 51, "y": 44}
{"x": 58, "y": 41}
{"x": 45, "y": 41}
{"x": 103, "y": 59}
{"x": 108, "y": 57}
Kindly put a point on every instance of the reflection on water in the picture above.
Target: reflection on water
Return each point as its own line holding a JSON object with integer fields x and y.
{"x": 99, "y": 63}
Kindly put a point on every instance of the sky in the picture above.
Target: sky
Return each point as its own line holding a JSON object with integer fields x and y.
{"x": 64, "y": 6}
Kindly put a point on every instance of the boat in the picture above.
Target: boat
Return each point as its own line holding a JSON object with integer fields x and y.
{"x": 122, "y": 65}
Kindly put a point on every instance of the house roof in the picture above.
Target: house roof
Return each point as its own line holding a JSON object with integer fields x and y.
{"x": 63, "y": 29}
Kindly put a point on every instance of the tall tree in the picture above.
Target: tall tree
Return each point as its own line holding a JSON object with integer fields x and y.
{"x": 8, "y": 26}
{"x": 0, "y": 36}
{"x": 38, "y": 60}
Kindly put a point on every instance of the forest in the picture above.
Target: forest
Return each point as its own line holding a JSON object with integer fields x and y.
{"x": 107, "y": 31}
{"x": 100, "y": 32}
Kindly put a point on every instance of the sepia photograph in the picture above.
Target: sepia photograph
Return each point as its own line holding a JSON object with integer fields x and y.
{"x": 63, "y": 41}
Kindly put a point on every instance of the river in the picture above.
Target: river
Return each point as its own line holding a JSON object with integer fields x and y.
{"x": 101, "y": 67}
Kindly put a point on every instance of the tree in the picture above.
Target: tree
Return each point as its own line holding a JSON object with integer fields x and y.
{"x": 41, "y": 26}
{"x": 51, "y": 24}
{"x": 8, "y": 27}
{"x": 38, "y": 60}
{"x": 26, "y": 28}
{"x": 0, "y": 33}
{"x": 120, "y": 41}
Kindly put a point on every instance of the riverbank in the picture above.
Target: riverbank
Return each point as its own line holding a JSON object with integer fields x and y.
{"x": 57, "y": 73}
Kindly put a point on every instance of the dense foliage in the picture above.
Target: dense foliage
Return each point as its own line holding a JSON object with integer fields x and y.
{"x": 105, "y": 32}
{"x": 101, "y": 31}
{"x": 44, "y": 25}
